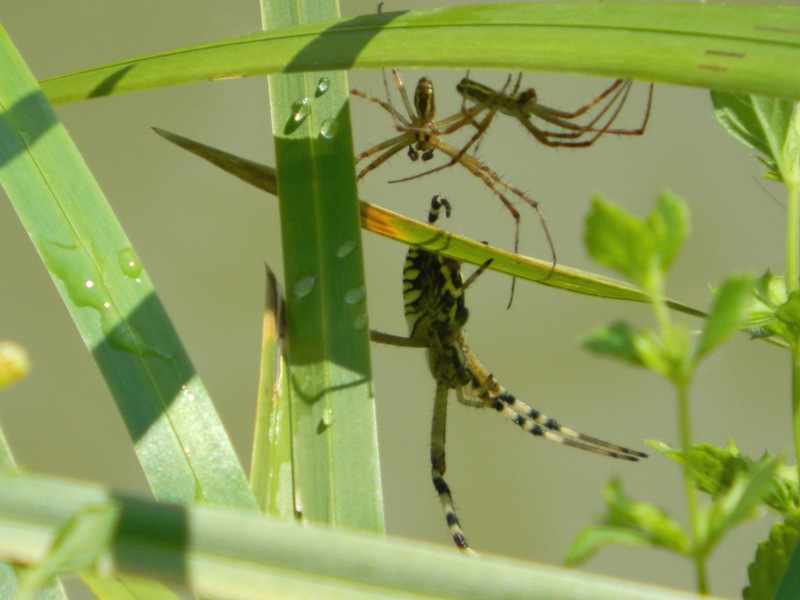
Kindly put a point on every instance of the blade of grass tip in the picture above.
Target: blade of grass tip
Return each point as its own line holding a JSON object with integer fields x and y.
{"x": 334, "y": 437}
{"x": 178, "y": 437}
{"x": 271, "y": 474}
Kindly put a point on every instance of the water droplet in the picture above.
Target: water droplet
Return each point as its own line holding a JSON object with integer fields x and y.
{"x": 304, "y": 287}
{"x": 86, "y": 288}
{"x": 129, "y": 263}
{"x": 355, "y": 295}
{"x": 360, "y": 322}
{"x": 327, "y": 417}
{"x": 345, "y": 249}
{"x": 300, "y": 110}
{"x": 323, "y": 85}
{"x": 329, "y": 128}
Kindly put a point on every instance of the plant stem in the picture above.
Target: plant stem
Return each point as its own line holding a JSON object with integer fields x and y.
{"x": 792, "y": 272}
{"x": 791, "y": 175}
{"x": 684, "y": 425}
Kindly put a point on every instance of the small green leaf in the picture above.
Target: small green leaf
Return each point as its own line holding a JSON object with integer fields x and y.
{"x": 714, "y": 471}
{"x": 760, "y": 122}
{"x": 631, "y": 523}
{"x": 81, "y": 543}
{"x": 772, "y": 556}
{"x": 789, "y": 311}
{"x": 617, "y": 341}
{"x": 739, "y": 503}
{"x": 616, "y": 239}
{"x": 669, "y": 223}
{"x": 728, "y": 315}
{"x": 769, "y": 294}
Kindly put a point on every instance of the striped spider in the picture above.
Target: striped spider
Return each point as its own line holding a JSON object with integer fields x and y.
{"x": 433, "y": 294}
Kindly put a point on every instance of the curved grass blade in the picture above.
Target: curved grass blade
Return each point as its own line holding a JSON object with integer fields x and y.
{"x": 394, "y": 226}
{"x": 178, "y": 438}
{"x": 750, "y": 49}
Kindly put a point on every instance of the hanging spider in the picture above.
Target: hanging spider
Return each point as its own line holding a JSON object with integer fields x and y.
{"x": 433, "y": 294}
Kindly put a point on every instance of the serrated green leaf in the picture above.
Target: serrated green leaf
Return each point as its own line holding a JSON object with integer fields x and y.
{"x": 628, "y": 522}
{"x": 728, "y": 315}
{"x": 715, "y": 469}
{"x": 669, "y": 223}
{"x": 616, "y": 239}
{"x": 738, "y": 504}
{"x": 772, "y": 557}
{"x": 789, "y": 311}
{"x": 760, "y": 122}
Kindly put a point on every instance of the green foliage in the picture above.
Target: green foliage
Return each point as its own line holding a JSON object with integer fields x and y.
{"x": 760, "y": 122}
{"x": 175, "y": 430}
{"x": 641, "y": 251}
{"x": 766, "y": 571}
{"x": 643, "y": 524}
{"x": 631, "y": 523}
{"x": 714, "y": 471}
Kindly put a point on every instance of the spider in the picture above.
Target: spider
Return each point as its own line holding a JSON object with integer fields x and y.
{"x": 433, "y": 293}
{"x": 525, "y": 106}
{"x": 421, "y": 134}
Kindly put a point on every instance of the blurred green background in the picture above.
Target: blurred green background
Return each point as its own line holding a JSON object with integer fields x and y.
{"x": 204, "y": 238}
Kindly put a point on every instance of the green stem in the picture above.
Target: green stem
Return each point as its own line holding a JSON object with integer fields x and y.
{"x": 684, "y": 425}
{"x": 792, "y": 273}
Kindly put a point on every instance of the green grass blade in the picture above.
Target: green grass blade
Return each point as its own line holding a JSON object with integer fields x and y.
{"x": 178, "y": 437}
{"x": 751, "y": 49}
{"x": 396, "y": 227}
{"x": 226, "y": 553}
{"x": 334, "y": 437}
{"x": 271, "y": 474}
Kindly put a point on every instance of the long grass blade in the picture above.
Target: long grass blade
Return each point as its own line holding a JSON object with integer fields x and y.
{"x": 750, "y": 49}
{"x": 226, "y": 553}
{"x": 179, "y": 440}
{"x": 334, "y": 436}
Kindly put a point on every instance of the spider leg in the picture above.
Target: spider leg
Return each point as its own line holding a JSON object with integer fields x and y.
{"x": 531, "y": 420}
{"x": 398, "y": 143}
{"x": 439, "y": 466}
{"x": 396, "y": 115}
